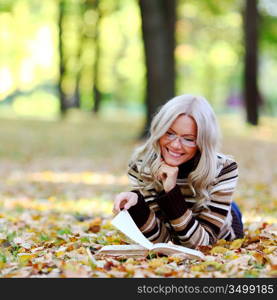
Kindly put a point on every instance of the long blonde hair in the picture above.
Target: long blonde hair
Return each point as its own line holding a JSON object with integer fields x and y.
{"x": 208, "y": 140}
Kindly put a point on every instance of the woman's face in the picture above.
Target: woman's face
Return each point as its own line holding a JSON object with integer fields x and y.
{"x": 178, "y": 143}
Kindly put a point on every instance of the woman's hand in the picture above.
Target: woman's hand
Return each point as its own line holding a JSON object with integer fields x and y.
{"x": 124, "y": 200}
{"x": 168, "y": 175}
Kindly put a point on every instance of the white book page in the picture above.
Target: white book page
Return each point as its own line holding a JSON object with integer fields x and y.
{"x": 123, "y": 248}
{"x": 179, "y": 248}
{"x": 124, "y": 222}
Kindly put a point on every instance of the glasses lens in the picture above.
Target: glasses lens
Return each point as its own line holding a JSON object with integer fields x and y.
{"x": 188, "y": 143}
{"x": 185, "y": 142}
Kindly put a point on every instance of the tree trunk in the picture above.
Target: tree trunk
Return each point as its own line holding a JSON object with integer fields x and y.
{"x": 251, "y": 91}
{"x": 96, "y": 92}
{"x": 77, "y": 92}
{"x": 158, "y": 28}
{"x": 62, "y": 96}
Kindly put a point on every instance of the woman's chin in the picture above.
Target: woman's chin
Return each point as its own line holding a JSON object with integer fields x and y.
{"x": 173, "y": 162}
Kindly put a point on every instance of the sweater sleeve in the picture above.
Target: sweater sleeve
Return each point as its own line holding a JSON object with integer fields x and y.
{"x": 143, "y": 213}
{"x": 204, "y": 228}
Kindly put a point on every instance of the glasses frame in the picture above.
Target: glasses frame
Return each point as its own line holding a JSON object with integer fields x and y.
{"x": 170, "y": 136}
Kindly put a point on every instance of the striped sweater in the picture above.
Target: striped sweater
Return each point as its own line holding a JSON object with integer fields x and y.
{"x": 162, "y": 216}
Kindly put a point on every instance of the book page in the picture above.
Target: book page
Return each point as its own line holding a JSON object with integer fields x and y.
{"x": 179, "y": 248}
{"x": 124, "y": 222}
{"x": 123, "y": 248}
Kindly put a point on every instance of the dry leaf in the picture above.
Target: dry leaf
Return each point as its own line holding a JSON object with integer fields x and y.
{"x": 236, "y": 244}
{"x": 218, "y": 249}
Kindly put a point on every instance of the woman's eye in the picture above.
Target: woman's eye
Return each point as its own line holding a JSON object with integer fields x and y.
{"x": 189, "y": 140}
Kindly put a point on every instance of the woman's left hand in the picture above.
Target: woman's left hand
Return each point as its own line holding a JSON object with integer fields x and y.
{"x": 168, "y": 175}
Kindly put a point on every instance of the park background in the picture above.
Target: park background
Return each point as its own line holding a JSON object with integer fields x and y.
{"x": 79, "y": 82}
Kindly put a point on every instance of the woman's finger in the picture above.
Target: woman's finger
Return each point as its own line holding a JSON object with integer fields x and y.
{"x": 125, "y": 200}
{"x": 116, "y": 207}
{"x": 130, "y": 203}
{"x": 117, "y": 202}
{"x": 127, "y": 205}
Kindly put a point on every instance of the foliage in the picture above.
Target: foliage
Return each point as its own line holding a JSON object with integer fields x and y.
{"x": 208, "y": 54}
{"x": 56, "y": 201}
{"x": 69, "y": 252}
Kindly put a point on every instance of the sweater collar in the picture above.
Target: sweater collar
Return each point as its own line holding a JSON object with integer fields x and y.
{"x": 186, "y": 168}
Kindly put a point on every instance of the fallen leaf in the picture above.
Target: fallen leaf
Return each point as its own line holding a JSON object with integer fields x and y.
{"x": 218, "y": 249}
{"x": 236, "y": 244}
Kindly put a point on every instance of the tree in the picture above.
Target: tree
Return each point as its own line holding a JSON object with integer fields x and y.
{"x": 158, "y": 29}
{"x": 62, "y": 96}
{"x": 76, "y": 97}
{"x": 251, "y": 91}
{"x": 96, "y": 66}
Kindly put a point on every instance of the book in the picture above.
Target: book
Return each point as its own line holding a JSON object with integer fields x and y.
{"x": 124, "y": 222}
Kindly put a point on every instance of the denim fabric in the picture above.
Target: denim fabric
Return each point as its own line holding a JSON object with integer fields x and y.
{"x": 236, "y": 209}
{"x": 237, "y": 220}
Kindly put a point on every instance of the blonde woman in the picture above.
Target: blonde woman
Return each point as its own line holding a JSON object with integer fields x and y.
{"x": 182, "y": 187}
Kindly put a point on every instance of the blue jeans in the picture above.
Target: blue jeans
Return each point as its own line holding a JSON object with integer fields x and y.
{"x": 237, "y": 220}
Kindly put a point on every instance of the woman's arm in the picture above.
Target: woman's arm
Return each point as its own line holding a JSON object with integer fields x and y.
{"x": 204, "y": 228}
{"x": 143, "y": 213}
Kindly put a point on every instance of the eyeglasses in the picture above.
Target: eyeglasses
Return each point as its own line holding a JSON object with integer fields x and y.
{"x": 186, "y": 142}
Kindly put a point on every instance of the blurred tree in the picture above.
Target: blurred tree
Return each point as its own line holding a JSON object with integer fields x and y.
{"x": 95, "y": 14}
{"x": 71, "y": 46}
{"x": 158, "y": 28}
{"x": 121, "y": 53}
{"x": 76, "y": 98}
{"x": 62, "y": 95}
{"x": 251, "y": 90}
{"x": 7, "y": 5}
{"x": 97, "y": 51}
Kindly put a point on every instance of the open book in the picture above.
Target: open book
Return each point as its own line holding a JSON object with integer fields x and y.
{"x": 124, "y": 222}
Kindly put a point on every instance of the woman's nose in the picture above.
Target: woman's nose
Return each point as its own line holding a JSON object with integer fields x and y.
{"x": 176, "y": 144}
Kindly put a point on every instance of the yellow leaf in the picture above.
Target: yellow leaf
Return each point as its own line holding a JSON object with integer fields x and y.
{"x": 96, "y": 222}
{"x": 130, "y": 261}
{"x": 233, "y": 257}
{"x": 59, "y": 253}
{"x": 197, "y": 268}
{"x": 157, "y": 262}
{"x": 221, "y": 242}
{"x": 236, "y": 244}
{"x": 130, "y": 268}
{"x": 24, "y": 257}
{"x": 218, "y": 249}
{"x": 269, "y": 250}
{"x": 273, "y": 273}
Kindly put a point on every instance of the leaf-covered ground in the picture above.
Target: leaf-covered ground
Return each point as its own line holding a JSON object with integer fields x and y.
{"x": 58, "y": 181}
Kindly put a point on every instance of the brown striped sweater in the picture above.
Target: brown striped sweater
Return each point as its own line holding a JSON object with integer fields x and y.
{"x": 162, "y": 216}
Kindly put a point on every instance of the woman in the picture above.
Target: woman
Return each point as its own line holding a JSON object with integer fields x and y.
{"x": 182, "y": 188}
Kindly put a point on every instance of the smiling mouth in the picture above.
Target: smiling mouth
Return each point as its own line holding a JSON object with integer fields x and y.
{"x": 174, "y": 154}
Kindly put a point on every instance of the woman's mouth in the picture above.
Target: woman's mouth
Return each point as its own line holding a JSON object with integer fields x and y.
{"x": 174, "y": 154}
